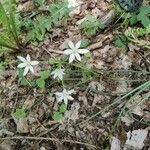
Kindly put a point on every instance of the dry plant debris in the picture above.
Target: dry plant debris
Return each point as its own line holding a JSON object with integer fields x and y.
{"x": 97, "y": 100}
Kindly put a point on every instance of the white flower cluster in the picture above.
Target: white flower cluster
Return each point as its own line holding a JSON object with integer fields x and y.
{"x": 74, "y": 52}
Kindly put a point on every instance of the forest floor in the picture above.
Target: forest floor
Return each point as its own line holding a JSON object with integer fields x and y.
{"x": 112, "y": 90}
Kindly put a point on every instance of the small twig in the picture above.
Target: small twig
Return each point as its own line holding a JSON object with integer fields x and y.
{"x": 95, "y": 46}
{"x": 49, "y": 51}
{"x": 49, "y": 130}
{"x": 48, "y": 139}
{"x": 98, "y": 44}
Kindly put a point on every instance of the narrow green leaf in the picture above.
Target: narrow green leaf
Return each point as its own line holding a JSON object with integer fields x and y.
{"x": 12, "y": 22}
{"x": 3, "y": 17}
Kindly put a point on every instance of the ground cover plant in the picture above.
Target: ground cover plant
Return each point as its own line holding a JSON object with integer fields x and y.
{"x": 74, "y": 75}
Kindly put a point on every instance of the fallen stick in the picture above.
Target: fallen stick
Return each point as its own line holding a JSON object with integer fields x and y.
{"x": 48, "y": 139}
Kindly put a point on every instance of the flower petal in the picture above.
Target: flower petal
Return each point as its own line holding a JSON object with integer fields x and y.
{"x": 64, "y": 91}
{"x": 71, "y": 58}
{"x": 62, "y": 71}
{"x": 58, "y": 73}
{"x": 58, "y": 94}
{"x": 78, "y": 56}
{"x": 22, "y": 65}
{"x": 53, "y": 72}
{"x": 66, "y": 101}
{"x": 71, "y": 45}
{"x": 71, "y": 92}
{"x": 34, "y": 63}
{"x": 83, "y": 51}
{"x": 70, "y": 97}
{"x": 59, "y": 99}
{"x": 55, "y": 75}
{"x": 26, "y": 71}
{"x": 28, "y": 58}
{"x": 21, "y": 58}
{"x": 68, "y": 51}
{"x": 31, "y": 69}
{"x": 78, "y": 45}
{"x": 60, "y": 76}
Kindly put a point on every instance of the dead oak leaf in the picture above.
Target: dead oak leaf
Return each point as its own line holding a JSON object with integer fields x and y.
{"x": 73, "y": 114}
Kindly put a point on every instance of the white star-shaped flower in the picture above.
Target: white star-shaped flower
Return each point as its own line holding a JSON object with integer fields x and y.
{"x": 72, "y": 3}
{"x": 74, "y": 51}
{"x": 64, "y": 95}
{"x": 27, "y": 64}
{"x": 58, "y": 73}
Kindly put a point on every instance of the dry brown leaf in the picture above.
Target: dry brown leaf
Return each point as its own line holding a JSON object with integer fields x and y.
{"x": 73, "y": 114}
{"x": 122, "y": 62}
{"x": 29, "y": 5}
{"x": 7, "y": 145}
{"x": 5, "y": 132}
{"x": 96, "y": 12}
{"x": 127, "y": 120}
{"x": 97, "y": 99}
{"x": 122, "y": 86}
{"x": 96, "y": 86}
{"x": 22, "y": 125}
{"x": 29, "y": 102}
{"x": 136, "y": 105}
{"x": 83, "y": 98}
{"x": 64, "y": 45}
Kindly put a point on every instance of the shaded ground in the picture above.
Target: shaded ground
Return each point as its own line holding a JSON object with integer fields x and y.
{"x": 117, "y": 72}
